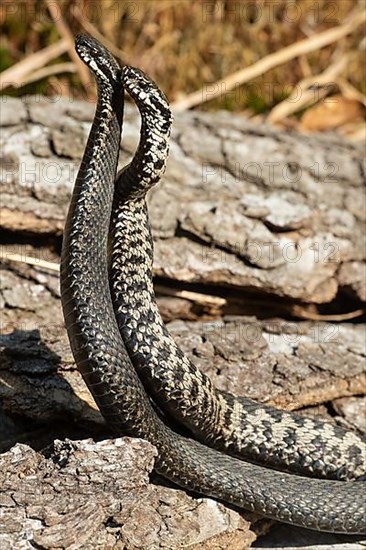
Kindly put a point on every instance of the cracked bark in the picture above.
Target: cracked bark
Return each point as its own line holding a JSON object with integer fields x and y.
{"x": 316, "y": 366}
{"x": 81, "y": 494}
{"x": 209, "y": 236}
{"x": 249, "y": 208}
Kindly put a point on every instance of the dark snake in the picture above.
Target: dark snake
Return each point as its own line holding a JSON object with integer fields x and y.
{"x": 103, "y": 360}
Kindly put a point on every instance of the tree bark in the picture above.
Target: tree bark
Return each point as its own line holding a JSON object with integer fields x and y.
{"x": 250, "y": 225}
{"x": 241, "y": 206}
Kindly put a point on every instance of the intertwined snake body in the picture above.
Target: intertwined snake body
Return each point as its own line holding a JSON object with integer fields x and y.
{"x": 103, "y": 360}
{"x": 237, "y": 425}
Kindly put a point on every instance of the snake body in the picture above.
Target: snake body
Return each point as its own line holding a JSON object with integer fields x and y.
{"x": 237, "y": 425}
{"x": 102, "y": 358}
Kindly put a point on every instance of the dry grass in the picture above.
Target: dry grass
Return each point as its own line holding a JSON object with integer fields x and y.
{"x": 186, "y": 44}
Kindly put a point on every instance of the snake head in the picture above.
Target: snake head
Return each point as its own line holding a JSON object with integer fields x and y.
{"x": 98, "y": 59}
{"x": 145, "y": 92}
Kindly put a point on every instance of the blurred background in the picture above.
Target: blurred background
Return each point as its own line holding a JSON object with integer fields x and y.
{"x": 296, "y": 63}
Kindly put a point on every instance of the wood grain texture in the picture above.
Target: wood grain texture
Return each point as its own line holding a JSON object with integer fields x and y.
{"x": 241, "y": 206}
{"x": 263, "y": 218}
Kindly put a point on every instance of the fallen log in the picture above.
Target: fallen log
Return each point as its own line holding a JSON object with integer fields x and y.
{"x": 241, "y": 206}
{"x": 247, "y": 220}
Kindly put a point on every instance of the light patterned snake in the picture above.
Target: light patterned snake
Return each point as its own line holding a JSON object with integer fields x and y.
{"x": 237, "y": 425}
{"x": 102, "y": 358}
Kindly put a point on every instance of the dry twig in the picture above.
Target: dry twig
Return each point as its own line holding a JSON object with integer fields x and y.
{"x": 68, "y": 36}
{"x": 29, "y": 260}
{"x": 269, "y": 62}
{"x": 15, "y": 75}
{"x": 50, "y": 70}
{"x": 302, "y": 311}
{"x": 292, "y": 104}
{"x": 93, "y": 31}
{"x": 197, "y": 297}
{"x": 350, "y": 91}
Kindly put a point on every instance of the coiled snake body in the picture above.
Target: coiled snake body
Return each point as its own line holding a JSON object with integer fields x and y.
{"x": 103, "y": 360}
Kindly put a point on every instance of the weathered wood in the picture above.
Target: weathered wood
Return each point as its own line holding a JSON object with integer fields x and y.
{"x": 99, "y": 501}
{"x": 97, "y": 495}
{"x": 241, "y": 205}
{"x": 289, "y": 364}
{"x": 229, "y": 198}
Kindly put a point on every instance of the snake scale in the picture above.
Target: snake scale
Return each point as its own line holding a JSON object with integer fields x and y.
{"x": 237, "y": 425}
{"x": 102, "y": 358}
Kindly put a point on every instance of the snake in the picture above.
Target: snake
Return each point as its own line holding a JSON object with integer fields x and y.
{"x": 102, "y": 358}
{"x": 237, "y": 425}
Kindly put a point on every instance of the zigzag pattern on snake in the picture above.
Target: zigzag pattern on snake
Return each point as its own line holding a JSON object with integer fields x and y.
{"x": 101, "y": 356}
{"x": 237, "y": 425}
